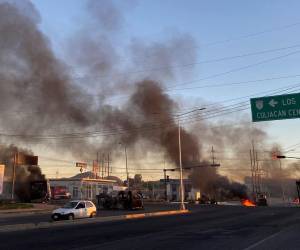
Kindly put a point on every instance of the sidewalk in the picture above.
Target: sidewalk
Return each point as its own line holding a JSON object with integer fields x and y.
{"x": 37, "y": 208}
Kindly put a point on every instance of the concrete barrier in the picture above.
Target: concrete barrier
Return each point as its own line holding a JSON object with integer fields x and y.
{"x": 44, "y": 225}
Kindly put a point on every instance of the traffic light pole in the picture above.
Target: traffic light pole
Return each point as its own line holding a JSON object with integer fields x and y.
{"x": 165, "y": 178}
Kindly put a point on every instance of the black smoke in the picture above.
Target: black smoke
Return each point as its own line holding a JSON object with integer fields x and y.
{"x": 41, "y": 97}
{"x": 24, "y": 174}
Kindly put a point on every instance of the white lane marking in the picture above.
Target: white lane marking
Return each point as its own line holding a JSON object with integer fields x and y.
{"x": 262, "y": 241}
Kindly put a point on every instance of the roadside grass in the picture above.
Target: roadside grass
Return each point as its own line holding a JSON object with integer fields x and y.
{"x": 6, "y": 205}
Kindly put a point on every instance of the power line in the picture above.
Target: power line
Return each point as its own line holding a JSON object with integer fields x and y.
{"x": 237, "y": 83}
{"x": 235, "y": 107}
{"x": 187, "y": 65}
{"x": 236, "y": 69}
{"x": 237, "y": 38}
{"x": 287, "y": 26}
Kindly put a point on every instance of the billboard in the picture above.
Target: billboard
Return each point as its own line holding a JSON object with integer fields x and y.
{"x": 23, "y": 159}
{"x": 2, "y": 167}
{"x": 81, "y": 165}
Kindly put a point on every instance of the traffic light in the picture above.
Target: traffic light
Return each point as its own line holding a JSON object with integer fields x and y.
{"x": 281, "y": 156}
{"x": 275, "y": 156}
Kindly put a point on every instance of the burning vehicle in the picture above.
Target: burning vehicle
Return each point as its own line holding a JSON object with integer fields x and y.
{"x": 260, "y": 200}
{"x": 40, "y": 191}
{"x": 248, "y": 203}
{"x": 204, "y": 199}
{"x": 120, "y": 200}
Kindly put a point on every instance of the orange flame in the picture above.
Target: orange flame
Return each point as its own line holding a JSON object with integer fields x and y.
{"x": 248, "y": 203}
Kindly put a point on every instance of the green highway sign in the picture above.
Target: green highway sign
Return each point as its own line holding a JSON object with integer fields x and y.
{"x": 277, "y": 107}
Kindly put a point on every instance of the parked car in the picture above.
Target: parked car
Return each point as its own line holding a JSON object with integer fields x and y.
{"x": 75, "y": 209}
{"x": 60, "y": 193}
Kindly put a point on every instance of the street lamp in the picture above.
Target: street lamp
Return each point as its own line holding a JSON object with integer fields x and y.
{"x": 182, "y": 206}
{"x": 127, "y": 175}
{"x": 165, "y": 180}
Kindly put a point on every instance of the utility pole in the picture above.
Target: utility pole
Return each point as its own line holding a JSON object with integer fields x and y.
{"x": 57, "y": 173}
{"x": 126, "y": 166}
{"x": 153, "y": 191}
{"x": 108, "y": 165}
{"x": 252, "y": 172}
{"x": 258, "y": 173}
{"x": 213, "y": 155}
{"x": 14, "y": 175}
{"x": 255, "y": 171}
{"x": 182, "y": 206}
{"x": 165, "y": 178}
{"x": 98, "y": 166}
{"x": 127, "y": 175}
{"x": 102, "y": 165}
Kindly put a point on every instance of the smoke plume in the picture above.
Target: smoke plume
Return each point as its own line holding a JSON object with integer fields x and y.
{"x": 40, "y": 97}
{"x": 206, "y": 178}
{"x": 23, "y": 174}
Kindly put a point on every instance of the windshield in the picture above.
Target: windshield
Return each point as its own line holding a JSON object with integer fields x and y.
{"x": 70, "y": 204}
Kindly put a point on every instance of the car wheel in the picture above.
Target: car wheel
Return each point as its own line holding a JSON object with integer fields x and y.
{"x": 93, "y": 214}
{"x": 71, "y": 217}
{"x": 55, "y": 217}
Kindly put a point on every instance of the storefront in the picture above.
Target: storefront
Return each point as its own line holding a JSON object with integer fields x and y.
{"x": 84, "y": 188}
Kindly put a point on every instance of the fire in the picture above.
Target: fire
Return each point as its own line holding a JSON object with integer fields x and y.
{"x": 248, "y": 203}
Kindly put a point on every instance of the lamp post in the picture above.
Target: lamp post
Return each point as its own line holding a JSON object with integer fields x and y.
{"x": 182, "y": 206}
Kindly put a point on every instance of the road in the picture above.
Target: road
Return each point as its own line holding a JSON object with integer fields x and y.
{"x": 12, "y": 219}
{"x": 208, "y": 227}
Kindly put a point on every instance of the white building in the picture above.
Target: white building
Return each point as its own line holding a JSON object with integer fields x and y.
{"x": 84, "y": 186}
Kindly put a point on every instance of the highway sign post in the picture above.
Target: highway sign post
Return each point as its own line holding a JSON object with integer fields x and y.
{"x": 277, "y": 107}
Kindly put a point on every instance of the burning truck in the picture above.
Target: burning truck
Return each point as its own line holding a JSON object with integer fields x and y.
{"x": 127, "y": 199}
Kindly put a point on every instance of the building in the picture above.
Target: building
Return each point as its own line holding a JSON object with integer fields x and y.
{"x": 86, "y": 185}
{"x": 169, "y": 190}
{"x": 172, "y": 189}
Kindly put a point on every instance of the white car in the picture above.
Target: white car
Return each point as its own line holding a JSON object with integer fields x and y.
{"x": 75, "y": 209}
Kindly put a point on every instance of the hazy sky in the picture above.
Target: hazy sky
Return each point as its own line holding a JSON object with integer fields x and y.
{"x": 221, "y": 29}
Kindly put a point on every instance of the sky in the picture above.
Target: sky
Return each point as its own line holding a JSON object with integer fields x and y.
{"x": 268, "y": 29}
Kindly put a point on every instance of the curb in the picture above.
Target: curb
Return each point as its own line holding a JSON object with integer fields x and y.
{"x": 44, "y": 225}
{"x": 153, "y": 214}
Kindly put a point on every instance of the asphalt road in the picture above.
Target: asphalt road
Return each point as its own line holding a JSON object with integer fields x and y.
{"x": 12, "y": 219}
{"x": 215, "y": 227}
